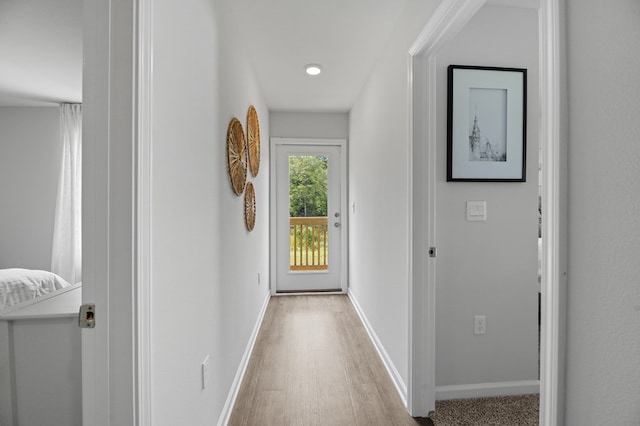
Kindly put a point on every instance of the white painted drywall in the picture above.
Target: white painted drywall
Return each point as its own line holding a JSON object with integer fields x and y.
{"x": 378, "y": 185}
{"x": 243, "y": 254}
{"x": 488, "y": 268}
{"x": 205, "y": 294}
{"x": 603, "y": 338}
{"x": 48, "y": 368}
{"x": 322, "y": 125}
{"x": 30, "y": 152}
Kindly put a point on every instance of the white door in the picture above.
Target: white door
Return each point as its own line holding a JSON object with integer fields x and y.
{"x": 309, "y": 226}
{"x": 113, "y": 392}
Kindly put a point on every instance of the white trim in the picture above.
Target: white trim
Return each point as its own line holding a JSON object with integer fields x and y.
{"x": 410, "y": 239}
{"x": 400, "y": 385}
{"x": 242, "y": 369}
{"x": 553, "y": 239}
{"x": 484, "y": 390}
{"x": 421, "y": 298}
{"x": 448, "y": 19}
{"x": 273, "y": 244}
{"x": 143, "y": 221}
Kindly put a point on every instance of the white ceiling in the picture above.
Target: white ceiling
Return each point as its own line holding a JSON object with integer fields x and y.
{"x": 41, "y": 49}
{"x": 344, "y": 36}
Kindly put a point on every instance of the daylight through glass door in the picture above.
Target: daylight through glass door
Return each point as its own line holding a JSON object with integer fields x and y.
{"x": 308, "y": 224}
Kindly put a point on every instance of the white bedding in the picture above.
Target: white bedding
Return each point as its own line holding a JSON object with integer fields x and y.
{"x": 18, "y": 285}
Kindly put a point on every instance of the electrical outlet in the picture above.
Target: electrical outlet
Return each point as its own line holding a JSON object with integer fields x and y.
{"x": 480, "y": 324}
{"x": 205, "y": 372}
{"x": 258, "y": 278}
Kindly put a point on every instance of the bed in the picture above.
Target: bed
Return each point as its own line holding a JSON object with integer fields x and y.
{"x": 39, "y": 338}
{"x": 20, "y": 285}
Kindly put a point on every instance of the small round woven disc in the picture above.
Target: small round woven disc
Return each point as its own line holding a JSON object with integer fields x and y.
{"x": 253, "y": 140}
{"x": 236, "y": 156}
{"x": 250, "y": 206}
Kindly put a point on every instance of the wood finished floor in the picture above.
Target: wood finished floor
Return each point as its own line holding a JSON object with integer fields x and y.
{"x": 314, "y": 364}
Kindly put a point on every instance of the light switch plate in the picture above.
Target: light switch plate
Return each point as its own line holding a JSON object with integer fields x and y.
{"x": 205, "y": 372}
{"x": 479, "y": 324}
{"x": 476, "y": 211}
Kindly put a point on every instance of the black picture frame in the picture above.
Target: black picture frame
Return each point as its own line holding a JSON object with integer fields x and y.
{"x": 494, "y": 98}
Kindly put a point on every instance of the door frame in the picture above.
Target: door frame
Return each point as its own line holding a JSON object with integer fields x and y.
{"x": 450, "y": 17}
{"x": 342, "y": 143}
{"x": 117, "y": 76}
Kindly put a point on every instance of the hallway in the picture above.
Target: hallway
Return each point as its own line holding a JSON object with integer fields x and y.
{"x": 314, "y": 364}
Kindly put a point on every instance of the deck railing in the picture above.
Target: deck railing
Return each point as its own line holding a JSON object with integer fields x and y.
{"x": 308, "y": 243}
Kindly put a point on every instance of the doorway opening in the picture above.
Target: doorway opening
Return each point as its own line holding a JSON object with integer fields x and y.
{"x": 308, "y": 196}
{"x": 450, "y": 18}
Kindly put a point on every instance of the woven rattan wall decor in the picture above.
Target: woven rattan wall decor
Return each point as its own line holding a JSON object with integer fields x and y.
{"x": 253, "y": 140}
{"x": 236, "y": 156}
{"x": 250, "y": 206}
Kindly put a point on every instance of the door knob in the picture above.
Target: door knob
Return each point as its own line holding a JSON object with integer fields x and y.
{"x": 337, "y": 224}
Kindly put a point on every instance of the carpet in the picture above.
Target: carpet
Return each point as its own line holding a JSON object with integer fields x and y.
{"x": 521, "y": 410}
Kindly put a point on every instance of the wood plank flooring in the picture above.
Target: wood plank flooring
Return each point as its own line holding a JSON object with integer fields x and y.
{"x": 314, "y": 364}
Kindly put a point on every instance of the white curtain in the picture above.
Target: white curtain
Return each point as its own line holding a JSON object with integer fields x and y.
{"x": 66, "y": 257}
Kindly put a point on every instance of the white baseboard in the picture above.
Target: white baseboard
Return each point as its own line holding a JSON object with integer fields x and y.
{"x": 237, "y": 381}
{"x": 482, "y": 390}
{"x": 400, "y": 385}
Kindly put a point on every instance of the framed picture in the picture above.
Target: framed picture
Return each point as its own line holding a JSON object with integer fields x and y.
{"x": 486, "y": 124}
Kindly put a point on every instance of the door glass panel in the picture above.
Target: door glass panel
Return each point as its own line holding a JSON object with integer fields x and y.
{"x": 308, "y": 233}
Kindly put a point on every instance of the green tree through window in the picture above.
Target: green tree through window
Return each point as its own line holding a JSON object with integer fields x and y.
{"x": 308, "y": 186}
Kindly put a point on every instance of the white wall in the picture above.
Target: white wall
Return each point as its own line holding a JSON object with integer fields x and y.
{"x": 322, "y": 125}
{"x": 205, "y": 295}
{"x": 243, "y": 254}
{"x": 30, "y": 152}
{"x": 378, "y": 185}
{"x": 489, "y": 268}
{"x": 603, "y": 342}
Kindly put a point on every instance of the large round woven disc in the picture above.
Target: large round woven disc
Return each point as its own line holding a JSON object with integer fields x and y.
{"x": 250, "y": 206}
{"x": 236, "y": 156}
{"x": 253, "y": 140}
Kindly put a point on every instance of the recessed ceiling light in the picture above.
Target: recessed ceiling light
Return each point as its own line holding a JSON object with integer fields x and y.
{"x": 313, "y": 69}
